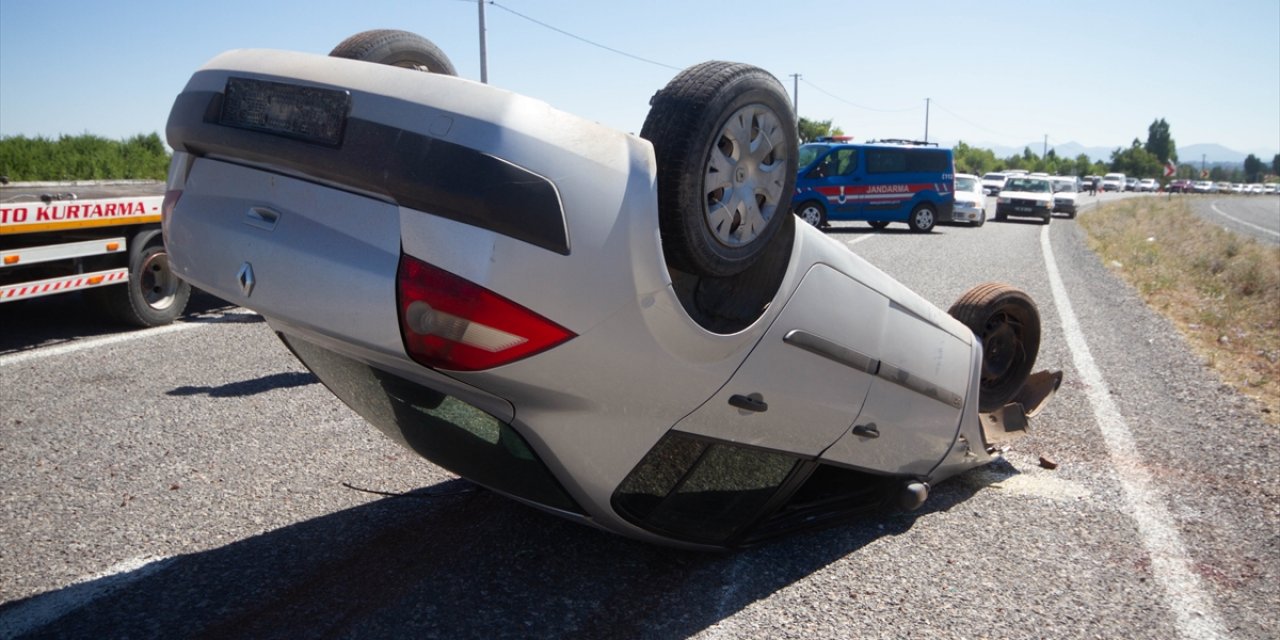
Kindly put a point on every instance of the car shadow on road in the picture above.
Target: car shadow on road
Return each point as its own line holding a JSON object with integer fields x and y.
{"x": 243, "y": 388}
{"x": 448, "y": 561}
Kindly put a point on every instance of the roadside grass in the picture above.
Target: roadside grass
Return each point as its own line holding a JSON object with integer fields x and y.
{"x": 1220, "y": 289}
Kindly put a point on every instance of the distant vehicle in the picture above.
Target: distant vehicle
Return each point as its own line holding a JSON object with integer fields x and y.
{"x": 1271, "y": 189}
{"x": 1204, "y": 186}
{"x": 1236, "y": 187}
{"x": 971, "y": 201}
{"x": 878, "y": 182}
{"x": 1130, "y": 184}
{"x": 1225, "y": 187}
{"x": 1149, "y": 185}
{"x": 1065, "y": 190}
{"x": 993, "y": 182}
{"x": 1090, "y": 182}
{"x": 109, "y": 248}
{"x": 1025, "y": 196}
{"x": 1113, "y": 182}
{"x": 1179, "y": 186}
{"x": 1255, "y": 189}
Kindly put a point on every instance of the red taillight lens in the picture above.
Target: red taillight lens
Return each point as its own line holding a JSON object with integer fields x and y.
{"x": 451, "y": 323}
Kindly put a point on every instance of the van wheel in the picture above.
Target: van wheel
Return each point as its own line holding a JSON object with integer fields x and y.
{"x": 1007, "y": 322}
{"x": 878, "y": 224}
{"x": 396, "y": 48}
{"x": 725, "y": 140}
{"x": 813, "y": 212}
{"x": 922, "y": 219}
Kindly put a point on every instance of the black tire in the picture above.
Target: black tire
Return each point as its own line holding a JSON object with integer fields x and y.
{"x": 1047, "y": 219}
{"x": 1007, "y": 322}
{"x": 725, "y": 141}
{"x": 154, "y": 294}
{"x": 395, "y": 48}
{"x": 982, "y": 218}
{"x": 922, "y": 218}
{"x": 878, "y": 224}
{"x": 1000, "y": 217}
{"x": 813, "y": 212}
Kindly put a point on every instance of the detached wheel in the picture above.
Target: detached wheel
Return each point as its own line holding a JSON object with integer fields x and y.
{"x": 1007, "y": 322}
{"x": 154, "y": 294}
{"x": 878, "y": 224}
{"x": 725, "y": 140}
{"x": 813, "y": 212}
{"x": 922, "y": 219}
{"x": 396, "y": 48}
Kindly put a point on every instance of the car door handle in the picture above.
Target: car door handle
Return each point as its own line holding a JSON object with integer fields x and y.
{"x": 869, "y": 430}
{"x": 262, "y": 218}
{"x": 753, "y": 402}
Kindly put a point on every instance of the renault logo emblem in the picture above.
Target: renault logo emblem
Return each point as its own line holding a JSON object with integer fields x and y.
{"x": 246, "y": 279}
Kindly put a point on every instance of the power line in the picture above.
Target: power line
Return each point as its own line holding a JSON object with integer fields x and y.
{"x": 853, "y": 104}
{"x": 580, "y": 38}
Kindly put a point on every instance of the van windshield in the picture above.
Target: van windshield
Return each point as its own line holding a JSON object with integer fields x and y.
{"x": 809, "y": 153}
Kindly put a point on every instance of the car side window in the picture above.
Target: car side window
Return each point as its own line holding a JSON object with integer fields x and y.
{"x": 840, "y": 162}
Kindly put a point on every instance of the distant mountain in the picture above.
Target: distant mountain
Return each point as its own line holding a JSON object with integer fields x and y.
{"x": 1213, "y": 154}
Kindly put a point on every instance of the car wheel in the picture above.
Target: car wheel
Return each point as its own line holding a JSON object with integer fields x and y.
{"x": 1047, "y": 219}
{"x": 154, "y": 294}
{"x": 396, "y": 48}
{"x": 1000, "y": 217}
{"x": 725, "y": 140}
{"x": 982, "y": 218}
{"x": 878, "y": 224}
{"x": 813, "y": 212}
{"x": 922, "y": 219}
{"x": 1007, "y": 322}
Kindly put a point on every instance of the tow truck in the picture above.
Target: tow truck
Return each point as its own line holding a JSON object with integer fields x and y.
{"x": 96, "y": 241}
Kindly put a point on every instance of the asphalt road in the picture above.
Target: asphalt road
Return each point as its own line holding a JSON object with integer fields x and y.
{"x": 196, "y": 481}
{"x": 1256, "y": 216}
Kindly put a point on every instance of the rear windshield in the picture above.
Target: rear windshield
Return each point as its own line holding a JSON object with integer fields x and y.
{"x": 966, "y": 184}
{"x": 1063, "y": 185}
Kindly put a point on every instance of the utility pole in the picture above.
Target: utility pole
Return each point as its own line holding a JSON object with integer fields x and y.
{"x": 1044, "y": 151}
{"x": 795, "y": 94}
{"x": 484, "y": 57}
{"x": 926, "y": 120}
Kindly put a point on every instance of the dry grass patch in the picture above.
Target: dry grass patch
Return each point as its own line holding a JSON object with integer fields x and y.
{"x": 1222, "y": 290}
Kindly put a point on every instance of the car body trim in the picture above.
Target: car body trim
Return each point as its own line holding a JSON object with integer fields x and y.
{"x": 913, "y": 382}
{"x": 832, "y": 351}
{"x": 411, "y": 169}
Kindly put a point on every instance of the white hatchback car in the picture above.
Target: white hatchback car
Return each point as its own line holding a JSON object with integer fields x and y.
{"x": 628, "y": 331}
{"x": 970, "y": 201}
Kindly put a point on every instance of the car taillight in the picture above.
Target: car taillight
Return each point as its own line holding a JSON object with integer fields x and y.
{"x": 451, "y": 323}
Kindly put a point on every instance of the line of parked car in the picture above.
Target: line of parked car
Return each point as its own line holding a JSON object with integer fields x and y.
{"x": 1209, "y": 186}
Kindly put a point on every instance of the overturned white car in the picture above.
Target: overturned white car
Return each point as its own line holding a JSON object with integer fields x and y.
{"x": 628, "y": 331}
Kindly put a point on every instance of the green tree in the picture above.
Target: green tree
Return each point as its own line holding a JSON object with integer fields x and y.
{"x": 1275, "y": 165}
{"x": 1253, "y": 169}
{"x": 1160, "y": 142}
{"x": 974, "y": 160}
{"x": 1136, "y": 161}
{"x": 811, "y": 130}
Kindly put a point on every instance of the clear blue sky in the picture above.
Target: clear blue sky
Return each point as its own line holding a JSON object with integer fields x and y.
{"x": 997, "y": 73}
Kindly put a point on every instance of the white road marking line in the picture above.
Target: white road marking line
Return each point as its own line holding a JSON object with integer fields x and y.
{"x": 1232, "y": 218}
{"x": 42, "y": 610}
{"x": 93, "y": 343}
{"x": 1192, "y": 607}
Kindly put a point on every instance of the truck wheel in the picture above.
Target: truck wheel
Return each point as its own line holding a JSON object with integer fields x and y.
{"x": 725, "y": 140}
{"x": 922, "y": 219}
{"x": 396, "y": 48}
{"x": 813, "y": 212}
{"x": 1007, "y": 322}
{"x": 154, "y": 294}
